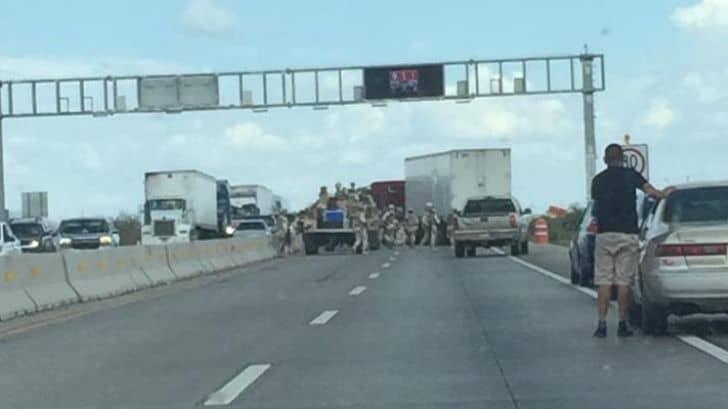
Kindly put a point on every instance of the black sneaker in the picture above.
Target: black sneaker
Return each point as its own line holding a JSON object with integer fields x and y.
{"x": 601, "y": 331}
{"x": 623, "y": 330}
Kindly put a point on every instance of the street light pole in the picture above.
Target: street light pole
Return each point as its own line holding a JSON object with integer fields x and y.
{"x": 3, "y": 210}
{"x": 590, "y": 155}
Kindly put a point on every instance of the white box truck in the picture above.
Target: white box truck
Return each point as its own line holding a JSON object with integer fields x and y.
{"x": 180, "y": 206}
{"x": 448, "y": 179}
{"x": 252, "y": 201}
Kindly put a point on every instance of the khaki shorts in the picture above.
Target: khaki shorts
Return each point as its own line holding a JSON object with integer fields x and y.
{"x": 615, "y": 258}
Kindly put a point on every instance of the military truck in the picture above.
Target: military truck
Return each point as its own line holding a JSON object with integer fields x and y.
{"x": 331, "y": 228}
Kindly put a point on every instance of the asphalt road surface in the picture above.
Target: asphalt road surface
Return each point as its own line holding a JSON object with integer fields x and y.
{"x": 415, "y": 330}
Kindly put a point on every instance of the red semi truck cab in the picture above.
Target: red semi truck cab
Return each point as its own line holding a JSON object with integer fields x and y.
{"x": 388, "y": 192}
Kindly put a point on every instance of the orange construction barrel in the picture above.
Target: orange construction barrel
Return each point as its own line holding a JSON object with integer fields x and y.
{"x": 541, "y": 232}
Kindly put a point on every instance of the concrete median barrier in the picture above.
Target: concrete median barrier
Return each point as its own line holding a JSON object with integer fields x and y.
{"x": 241, "y": 254}
{"x": 205, "y": 252}
{"x": 185, "y": 259}
{"x": 155, "y": 263}
{"x": 96, "y": 274}
{"x": 14, "y": 300}
{"x": 128, "y": 260}
{"x": 44, "y": 279}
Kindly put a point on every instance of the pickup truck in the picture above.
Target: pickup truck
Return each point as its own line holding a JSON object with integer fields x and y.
{"x": 491, "y": 221}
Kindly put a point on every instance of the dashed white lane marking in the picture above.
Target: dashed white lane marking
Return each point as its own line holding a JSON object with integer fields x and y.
{"x": 695, "y": 342}
{"x": 393, "y": 258}
{"x": 373, "y": 276}
{"x": 324, "y": 317}
{"x": 396, "y": 253}
{"x": 236, "y": 386}
{"x": 386, "y": 265}
{"x": 357, "y": 290}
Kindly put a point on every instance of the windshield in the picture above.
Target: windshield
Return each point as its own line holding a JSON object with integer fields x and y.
{"x": 709, "y": 204}
{"x": 26, "y": 229}
{"x": 488, "y": 206}
{"x": 251, "y": 226}
{"x": 167, "y": 204}
{"x": 84, "y": 226}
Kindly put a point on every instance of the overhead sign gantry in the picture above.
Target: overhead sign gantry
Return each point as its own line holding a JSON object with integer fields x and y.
{"x": 319, "y": 88}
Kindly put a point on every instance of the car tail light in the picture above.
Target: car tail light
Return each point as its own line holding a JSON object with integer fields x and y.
{"x": 512, "y": 219}
{"x": 688, "y": 250}
{"x": 593, "y": 226}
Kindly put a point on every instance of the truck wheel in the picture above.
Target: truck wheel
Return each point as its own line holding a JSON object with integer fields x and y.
{"x": 524, "y": 247}
{"x": 459, "y": 250}
{"x": 654, "y": 319}
{"x": 195, "y": 234}
{"x": 471, "y": 251}
{"x": 515, "y": 249}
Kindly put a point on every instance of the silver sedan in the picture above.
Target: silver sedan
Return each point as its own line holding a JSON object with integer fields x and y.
{"x": 684, "y": 266}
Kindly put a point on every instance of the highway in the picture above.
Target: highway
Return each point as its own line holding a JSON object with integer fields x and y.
{"x": 406, "y": 329}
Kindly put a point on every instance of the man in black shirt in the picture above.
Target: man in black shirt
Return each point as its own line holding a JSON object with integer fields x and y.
{"x": 616, "y": 252}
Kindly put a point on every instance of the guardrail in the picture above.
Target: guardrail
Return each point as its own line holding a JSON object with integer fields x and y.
{"x": 35, "y": 282}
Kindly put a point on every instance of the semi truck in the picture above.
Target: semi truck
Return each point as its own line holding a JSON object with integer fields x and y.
{"x": 448, "y": 179}
{"x": 252, "y": 201}
{"x": 181, "y": 206}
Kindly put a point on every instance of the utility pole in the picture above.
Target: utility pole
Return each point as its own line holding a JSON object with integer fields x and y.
{"x": 3, "y": 210}
{"x": 590, "y": 154}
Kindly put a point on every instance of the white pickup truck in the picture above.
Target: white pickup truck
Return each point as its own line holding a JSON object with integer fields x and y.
{"x": 491, "y": 222}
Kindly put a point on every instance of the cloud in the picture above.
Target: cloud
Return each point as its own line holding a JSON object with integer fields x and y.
{"x": 209, "y": 18}
{"x": 250, "y": 135}
{"x": 703, "y": 16}
{"x": 660, "y": 114}
{"x": 32, "y": 68}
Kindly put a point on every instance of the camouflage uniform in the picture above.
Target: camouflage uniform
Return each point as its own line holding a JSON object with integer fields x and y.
{"x": 359, "y": 225}
{"x": 430, "y": 221}
{"x": 413, "y": 223}
{"x": 281, "y": 235}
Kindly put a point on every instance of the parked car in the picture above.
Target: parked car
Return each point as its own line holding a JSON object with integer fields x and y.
{"x": 35, "y": 235}
{"x": 491, "y": 221}
{"x": 86, "y": 233}
{"x": 684, "y": 265}
{"x": 252, "y": 229}
{"x": 581, "y": 249}
{"x": 9, "y": 244}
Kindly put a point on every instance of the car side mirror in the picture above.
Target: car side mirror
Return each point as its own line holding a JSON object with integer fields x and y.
{"x": 526, "y": 211}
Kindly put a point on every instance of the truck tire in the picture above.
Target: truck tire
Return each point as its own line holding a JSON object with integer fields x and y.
{"x": 471, "y": 251}
{"x": 459, "y": 250}
{"x": 524, "y": 247}
{"x": 515, "y": 249}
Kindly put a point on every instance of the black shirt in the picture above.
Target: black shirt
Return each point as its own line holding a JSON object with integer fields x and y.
{"x": 613, "y": 192}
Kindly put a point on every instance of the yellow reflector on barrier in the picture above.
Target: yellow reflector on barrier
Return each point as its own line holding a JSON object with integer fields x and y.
{"x": 35, "y": 271}
{"x": 10, "y": 276}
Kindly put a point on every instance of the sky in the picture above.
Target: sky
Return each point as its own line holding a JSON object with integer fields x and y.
{"x": 666, "y": 85}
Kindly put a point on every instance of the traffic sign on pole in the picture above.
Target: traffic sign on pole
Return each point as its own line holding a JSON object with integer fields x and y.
{"x": 637, "y": 158}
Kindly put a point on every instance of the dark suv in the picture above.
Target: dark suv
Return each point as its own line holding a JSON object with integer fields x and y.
{"x": 86, "y": 233}
{"x": 34, "y": 234}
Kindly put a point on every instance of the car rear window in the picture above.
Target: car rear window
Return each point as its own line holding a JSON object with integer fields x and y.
{"x": 489, "y": 205}
{"x": 707, "y": 204}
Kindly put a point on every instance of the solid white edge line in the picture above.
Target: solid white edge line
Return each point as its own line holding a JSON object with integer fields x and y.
{"x": 357, "y": 290}
{"x": 695, "y": 342}
{"x": 373, "y": 276}
{"x": 705, "y": 346}
{"x": 324, "y": 317}
{"x": 236, "y": 386}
